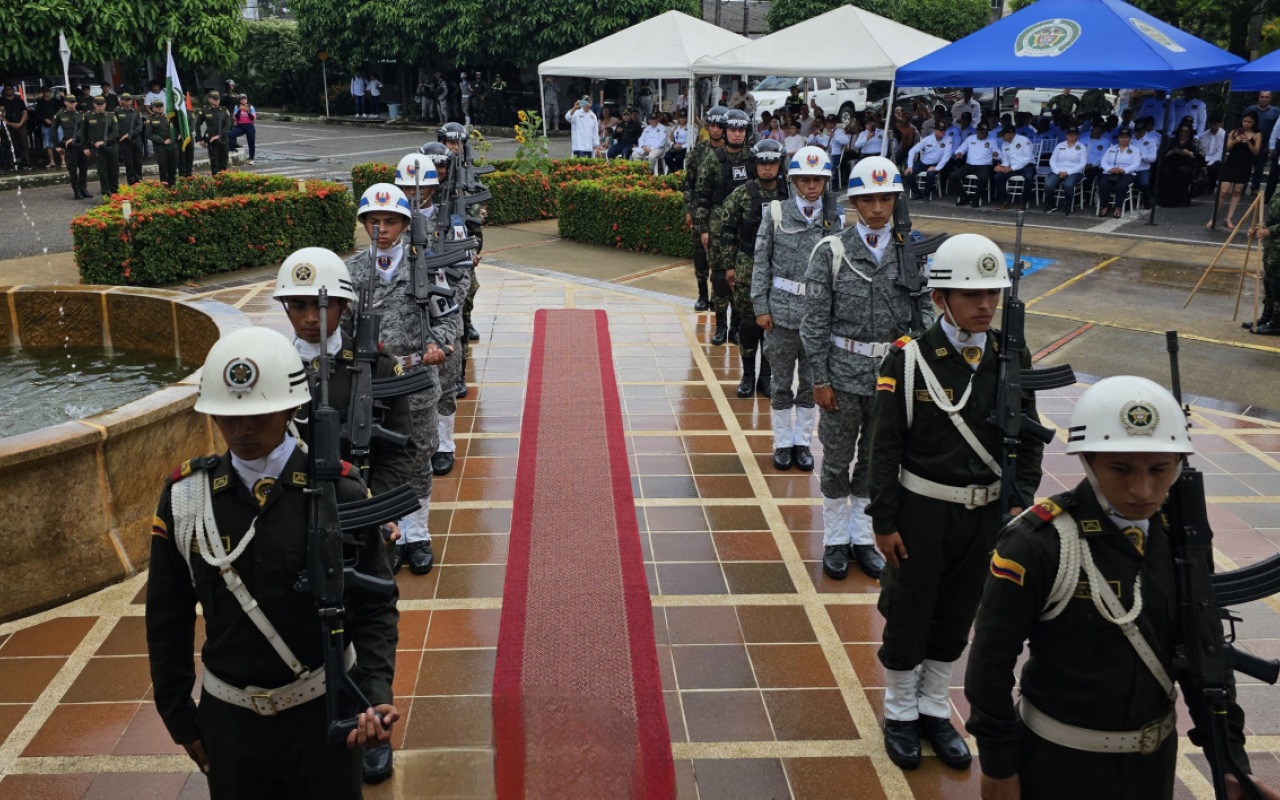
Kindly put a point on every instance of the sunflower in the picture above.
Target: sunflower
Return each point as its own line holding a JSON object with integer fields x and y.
{"x": 523, "y": 116}
{"x": 520, "y": 137}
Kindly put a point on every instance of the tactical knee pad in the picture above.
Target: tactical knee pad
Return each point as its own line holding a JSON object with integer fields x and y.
{"x": 720, "y": 283}
{"x": 749, "y": 333}
{"x": 700, "y": 265}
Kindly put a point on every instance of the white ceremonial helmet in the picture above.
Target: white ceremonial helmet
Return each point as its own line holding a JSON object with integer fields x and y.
{"x": 968, "y": 261}
{"x": 384, "y": 197}
{"x": 874, "y": 175}
{"x": 1128, "y": 414}
{"x": 416, "y": 169}
{"x": 810, "y": 161}
{"x": 252, "y": 371}
{"x": 307, "y": 271}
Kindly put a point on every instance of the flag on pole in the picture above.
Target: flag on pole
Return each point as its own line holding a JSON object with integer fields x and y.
{"x": 173, "y": 97}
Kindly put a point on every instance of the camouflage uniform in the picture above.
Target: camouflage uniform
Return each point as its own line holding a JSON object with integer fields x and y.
{"x": 700, "y": 267}
{"x": 402, "y": 336}
{"x": 709, "y": 215}
{"x": 1271, "y": 264}
{"x": 742, "y": 217}
{"x": 1094, "y": 101}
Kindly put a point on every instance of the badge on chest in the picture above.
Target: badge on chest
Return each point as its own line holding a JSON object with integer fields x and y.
{"x": 739, "y": 172}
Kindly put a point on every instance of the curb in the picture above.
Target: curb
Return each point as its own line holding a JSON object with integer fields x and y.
{"x": 489, "y": 131}
{"x": 60, "y": 175}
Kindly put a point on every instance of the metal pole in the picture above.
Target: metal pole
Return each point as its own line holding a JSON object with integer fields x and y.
{"x": 1155, "y": 174}
{"x": 325, "y": 73}
{"x": 888, "y": 112}
{"x": 542, "y": 93}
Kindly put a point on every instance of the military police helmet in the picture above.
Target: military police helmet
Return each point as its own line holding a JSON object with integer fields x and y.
{"x": 716, "y": 115}
{"x": 736, "y": 120}
{"x": 451, "y": 132}
{"x": 767, "y": 151}
{"x": 810, "y": 161}
{"x": 311, "y": 269}
{"x": 213, "y": 95}
{"x": 874, "y": 175}
{"x": 968, "y": 261}
{"x": 252, "y": 371}
{"x": 384, "y": 197}
{"x": 437, "y": 152}
{"x": 1128, "y": 414}
{"x": 416, "y": 169}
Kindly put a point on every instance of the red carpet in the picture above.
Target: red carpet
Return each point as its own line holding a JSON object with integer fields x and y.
{"x": 577, "y": 706}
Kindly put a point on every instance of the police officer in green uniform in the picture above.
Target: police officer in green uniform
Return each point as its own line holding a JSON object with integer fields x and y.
{"x": 1269, "y": 320}
{"x": 743, "y": 211}
{"x": 720, "y": 172}
{"x": 230, "y": 533}
{"x": 935, "y": 492}
{"x": 98, "y": 139}
{"x": 1087, "y": 578}
{"x": 67, "y": 123}
{"x": 715, "y": 139}
{"x": 215, "y": 122}
{"x": 129, "y": 125}
{"x": 164, "y": 136}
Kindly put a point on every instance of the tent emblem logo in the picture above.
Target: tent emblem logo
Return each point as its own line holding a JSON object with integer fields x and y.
{"x": 1156, "y": 36}
{"x": 1049, "y": 38}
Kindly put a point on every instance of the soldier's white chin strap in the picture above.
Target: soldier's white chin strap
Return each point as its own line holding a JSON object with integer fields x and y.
{"x": 961, "y": 334}
{"x": 1097, "y": 489}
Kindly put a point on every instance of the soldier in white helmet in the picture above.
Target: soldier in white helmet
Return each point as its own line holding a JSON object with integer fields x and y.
{"x": 402, "y": 336}
{"x": 417, "y": 173}
{"x": 788, "y": 232}
{"x": 935, "y": 492}
{"x": 1087, "y": 578}
{"x": 853, "y": 310}
{"x": 231, "y": 534}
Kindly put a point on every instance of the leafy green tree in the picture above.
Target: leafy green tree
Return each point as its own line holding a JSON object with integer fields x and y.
{"x": 273, "y": 65}
{"x": 946, "y": 19}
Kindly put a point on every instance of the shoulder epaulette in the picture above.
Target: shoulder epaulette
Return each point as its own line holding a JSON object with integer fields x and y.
{"x": 349, "y": 470}
{"x": 192, "y": 464}
{"x": 902, "y": 342}
{"x": 1046, "y": 510}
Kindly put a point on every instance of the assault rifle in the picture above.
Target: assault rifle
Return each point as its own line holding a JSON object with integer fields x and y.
{"x": 469, "y": 174}
{"x": 1010, "y": 412}
{"x": 327, "y": 572}
{"x": 1203, "y": 656}
{"x": 427, "y": 285}
{"x": 913, "y": 253}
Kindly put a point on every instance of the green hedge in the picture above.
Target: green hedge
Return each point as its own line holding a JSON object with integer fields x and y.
{"x": 642, "y": 213}
{"x": 206, "y": 225}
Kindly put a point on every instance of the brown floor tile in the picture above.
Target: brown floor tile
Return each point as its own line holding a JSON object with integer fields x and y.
{"x": 133, "y": 785}
{"x": 660, "y": 634}
{"x": 675, "y": 518}
{"x": 677, "y": 579}
{"x": 736, "y": 518}
{"x": 663, "y": 465}
{"x": 726, "y": 717}
{"x": 856, "y": 581}
{"x": 44, "y": 787}
{"x": 450, "y": 672}
{"x": 686, "y": 783}
{"x": 10, "y": 716}
{"x": 802, "y": 518}
{"x": 654, "y": 445}
{"x": 741, "y": 779}
{"x": 196, "y": 788}
{"x": 480, "y": 447}
{"x": 111, "y": 680}
{"x": 712, "y": 666}
{"x": 438, "y": 519}
{"x": 711, "y": 625}
{"x": 865, "y": 663}
{"x": 857, "y": 623}
{"x": 767, "y": 624}
{"x": 700, "y": 422}
{"x": 449, "y": 722}
{"x": 675, "y": 487}
{"x": 749, "y": 578}
{"x": 791, "y": 666}
{"x": 146, "y": 735}
{"x": 406, "y": 678}
{"x": 682, "y": 547}
{"x": 675, "y": 716}
{"x": 23, "y": 679}
{"x": 481, "y": 520}
{"x": 476, "y": 627}
{"x": 762, "y": 445}
{"x": 475, "y": 549}
{"x": 808, "y": 543}
{"x": 709, "y": 444}
{"x": 754, "y": 422}
{"x": 418, "y": 587}
{"x": 57, "y": 637}
{"x": 793, "y": 485}
{"x": 413, "y": 629}
{"x": 445, "y": 490}
{"x": 702, "y": 406}
{"x": 433, "y": 775}
{"x": 487, "y": 489}
{"x": 746, "y": 546}
{"x": 477, "y": 581}
{"x": 82, "y": 730}
{"x": 711, "y": 464}
{"x": 720, "y": 486}
{"x": 809, "y": 714}
{"x": 127, "y": 638}
{"x": 650, "y": 422}
{"x": 936, "y": 781}
{"x": 833, "y": 778}
{"x": 489, "y": 468}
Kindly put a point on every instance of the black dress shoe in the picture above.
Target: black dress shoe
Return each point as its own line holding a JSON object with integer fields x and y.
{"x": 869, "y": 559}
{"x": 835, "y": 561}
{"x": 719, "y": 337}
{"x": 473, "y": 334}
{"x": 782, "y": 458}
{"x": 421, "y": 559}
{"x": 747, "y": 386}
{"x": 377, "y": 763}
{"x": 442, "y": 463}
{"x": 947, "y": 743}
{"x": 802, "y": 457}
{"x": 460, "y": 390}
{"x": 86, "y": 196}
{"x": 397, "y": 556}
{"x": 701, "y": 305}
{"x": 902, "y": 742}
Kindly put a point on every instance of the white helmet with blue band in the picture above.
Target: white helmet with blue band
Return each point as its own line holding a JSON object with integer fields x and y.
{"x": 384, "y": 197}
{"x": 874, "y": 175}
{"x": 810, "y": 161}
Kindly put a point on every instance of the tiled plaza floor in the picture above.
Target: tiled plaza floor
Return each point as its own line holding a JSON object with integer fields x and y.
{"x": 772, "y": 686}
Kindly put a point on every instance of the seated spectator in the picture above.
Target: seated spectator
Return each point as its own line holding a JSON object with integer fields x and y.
{"x": 1017, "y": 159}
{"x": 651, "y": 144}
{"x": 905, "y": 136}
{"x": 929, "y": 155}
{"x": 871, "y": 141}
{"x": 821, "y": 137}
{"x": 794, "y": 140}
{"x": 1211, "y": 142}
{"x": 1119, "y": 170}
{"x": 626, "y": 135}
{"x": 775, "y": 132}
{"x": 605, "y": 127}
{"x": 678, "y": 144}
{"x": 1181, "y": 163}
{"x": 978, "y": 153}
{"x": 841, "y": 140}
{"x": 805, "y": 121}
{"x": 1066, "y": 169}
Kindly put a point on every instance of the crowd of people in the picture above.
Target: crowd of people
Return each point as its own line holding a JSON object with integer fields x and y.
{"x": 470, "y": 100}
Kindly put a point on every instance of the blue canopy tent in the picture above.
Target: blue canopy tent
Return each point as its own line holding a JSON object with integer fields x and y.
{"x": 1085, "y": 43}
{"x": 1262, "y": 75}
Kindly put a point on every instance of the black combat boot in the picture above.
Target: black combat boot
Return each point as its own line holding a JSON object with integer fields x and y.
{"x": 782, "y": 458}
{"x": 902, "y": 742}
{"x": 802, "y": 456}
{"x": 947, "y": 743}
{"x": 764, "y": 385}
{"x": 747, "y": 386}
{"x": 441, "y": 463}
{"x": 703, "y": 302}
{"x": 869, "y": 559}
{"x": 722, "y": 330}
{"x": 421, "y": 559}
{"x": 460, "y": 388}
{"x": 735, "y": 325}
{"x": 835, "y": 561}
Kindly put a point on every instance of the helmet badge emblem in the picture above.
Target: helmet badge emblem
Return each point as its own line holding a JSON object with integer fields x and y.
{"x": 879, "y": 176}
{"x": 240, "y": 375}
{"x": 811, "y": 160}
{"x": 304, "y": 274}
{"x": 988, "y": 265}
{"x": 382, "y": 198}
{"x": 1139, "y": 418}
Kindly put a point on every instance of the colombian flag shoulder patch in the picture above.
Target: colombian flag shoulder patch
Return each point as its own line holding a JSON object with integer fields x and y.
{"x": 158, "y": 528}
{"x": 902, "y": 342}
{"x": 887, "y": 385}
{"x": 1046, "y": 510}
{"x": 1007, "y": 569}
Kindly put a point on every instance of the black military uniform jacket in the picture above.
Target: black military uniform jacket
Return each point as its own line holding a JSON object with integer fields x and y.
{"x": 1082, "y": 670}
{"x": 235, "y": 650}
{"x": 129, "y": 123}
{"x": 213, "y": 122}
{"x": 933, "y": 448}
{"x": 70, "y": 122}
{"x": 95, "y": 127}
{"x": 390, "y": 466}
{"x": 160, "y": 127}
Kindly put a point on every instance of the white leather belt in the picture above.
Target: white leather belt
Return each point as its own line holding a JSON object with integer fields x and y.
{"x": 1145, "y": 741}
{"x": 269, "y": 702}
{"x": 869, "y": 349}
{"x": 790, "y": 287}
{"x": 967, "y": 496}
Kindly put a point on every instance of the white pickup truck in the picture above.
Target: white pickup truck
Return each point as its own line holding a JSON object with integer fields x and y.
{"x": 833, "y": 95}
{"x": 1033, "y": 100}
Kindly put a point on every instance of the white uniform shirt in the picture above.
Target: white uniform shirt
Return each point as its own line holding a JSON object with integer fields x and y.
{"x": 931, "y": 151}
{"x": 813, "y": 211}
{"x": 839, "y": 141}
{"x": 1069, "y": 158}
{"x": 1152, "y": 107}
{"x": 960, "y": 106}
{"x": 375, "y": 87}
{"x": 820, "y": 139}
{"x": 1212, "y": 144}
{"x": 1016, "y": 153}
{"x": 357, "y": 87}
{"x": 584, "y": 128}
{"x": 1129, "y": 159}
{"x": 978, "y": 152}
{"x": 871, "y": 145}
{"x": 653, "y": 137}
{"x": 1195, "y": 109}
{"x": 680, "y": 135}
{"x": 1097, "y": 148}
{"x": 877, "y": 241}
{"x": 1150, "y": 147}
{"x": 793, "y": 143}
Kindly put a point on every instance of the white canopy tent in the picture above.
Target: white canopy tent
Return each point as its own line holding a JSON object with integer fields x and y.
{"x": 846, "y": 42}
{"x": 665, "y": 46}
